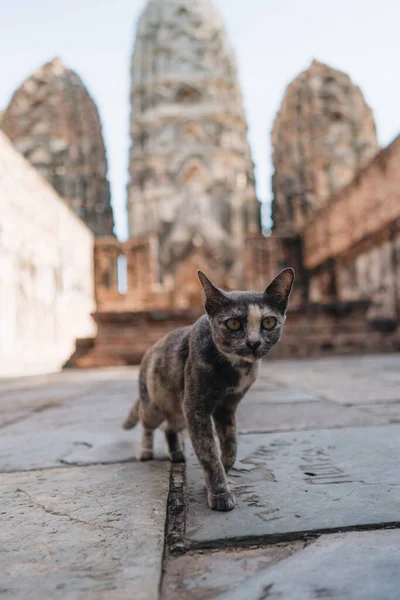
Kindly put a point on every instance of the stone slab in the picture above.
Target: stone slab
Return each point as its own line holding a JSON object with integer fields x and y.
{"x": 24, "y": 397}
{"x": 264, "y": 383}
{"x": 87, "y": 533}
{"x": 279, "y": 396}
{"x": 17, "y": 404}
{"x": 202, "y": 575}
{"x": 68, "y": 376}
{"x": 353, "y": 566}
{"x": 346, "y": 380}
{"x": 81, "y": 432}
{"x": 292, "y": 483}
{"x": 81, "y": 447}
{"x": 306, "y": 415}
{"x": 389, "y": 412}
{"x": 98, "y": 409}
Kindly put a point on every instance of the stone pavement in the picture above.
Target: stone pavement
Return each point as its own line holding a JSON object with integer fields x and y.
{"x": 317, "y": 483}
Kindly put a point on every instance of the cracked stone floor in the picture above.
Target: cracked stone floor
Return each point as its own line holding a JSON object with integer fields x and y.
{"x": 317, "y": 482}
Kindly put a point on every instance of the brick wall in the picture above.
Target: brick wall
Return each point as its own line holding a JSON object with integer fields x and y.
{"x": 143, "y": 290}
{"x": 368, "y": 205}
{"x": 318, "y": 330}
{"x": 123, "y": 337}
{"x": 265, "y": 257}
{"x": 261, "y": 259}
{"x": 346, "y": 297}
{"x": 352, "y": 247}
{"x": 330, "y": 329}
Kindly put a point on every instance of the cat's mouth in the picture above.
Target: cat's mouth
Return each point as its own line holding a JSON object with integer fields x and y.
{"x": 238, "y": 356}
{"x": 250, "y": 355}
{"x": 245, "y": 354}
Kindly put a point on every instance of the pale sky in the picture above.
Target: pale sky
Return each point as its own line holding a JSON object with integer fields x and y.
{"x": 274, "y": 41}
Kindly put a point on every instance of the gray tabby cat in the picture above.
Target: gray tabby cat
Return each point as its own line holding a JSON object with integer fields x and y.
{"x": 197, "y": 375}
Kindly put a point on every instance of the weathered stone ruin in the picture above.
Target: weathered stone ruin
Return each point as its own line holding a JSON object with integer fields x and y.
{"x": 337, "y": 222}
{"x": 53, "y": 121}
{"x": 323, "y": 134}
{"x": 191, "y": 173}
{"x": 351, "y": 248}
{"x": 191, "y": 194}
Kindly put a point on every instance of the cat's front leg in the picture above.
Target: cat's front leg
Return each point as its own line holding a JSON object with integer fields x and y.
{"x": 225, "y": 424}
{"x": 201, "y": 434}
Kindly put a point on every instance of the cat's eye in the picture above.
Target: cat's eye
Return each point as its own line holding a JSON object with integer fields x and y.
{"x": 233, "y": 324}
{"x": 268, "y": 323}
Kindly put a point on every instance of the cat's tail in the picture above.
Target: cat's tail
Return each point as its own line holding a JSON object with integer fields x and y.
{"x": 133, "y": 418}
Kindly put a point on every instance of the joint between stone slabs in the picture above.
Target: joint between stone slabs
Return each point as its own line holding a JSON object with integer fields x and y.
{"x": 278, "y": 538}
{"x": 294, "y": 429}
{"x": 245, "y": 432}
{"x": 48, "y": 406}
{"x": 175, "y": 527}
{"x": 31, "y": 413}
{"x": 63, "y": 464}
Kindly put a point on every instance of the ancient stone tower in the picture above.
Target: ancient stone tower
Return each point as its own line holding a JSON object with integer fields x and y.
{"x": 191, "y": 172}
{"x": 323, "y": 134}
{"x": 54, "y": 123}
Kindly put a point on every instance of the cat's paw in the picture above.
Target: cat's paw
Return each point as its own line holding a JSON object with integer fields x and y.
{"x": 177, "y": 456}
{"x": 224, "y": 502}
{"x": 145, "y": 455}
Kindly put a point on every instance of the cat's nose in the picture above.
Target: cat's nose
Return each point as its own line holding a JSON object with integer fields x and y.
{"x": 253, "y": 345}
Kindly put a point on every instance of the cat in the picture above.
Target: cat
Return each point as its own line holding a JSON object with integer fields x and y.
{"x": 197, "y": 375}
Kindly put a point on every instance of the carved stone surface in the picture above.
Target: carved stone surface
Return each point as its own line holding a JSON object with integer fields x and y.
{"x": 191, "y": 173}
{"x": 54, "y": 123}
{"x": 323, "y": 135}
{"x": 308, "y": 481}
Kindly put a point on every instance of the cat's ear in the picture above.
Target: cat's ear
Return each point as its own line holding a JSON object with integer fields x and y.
{"x": 278, "y": 292}
{"x": 215, "y": 297}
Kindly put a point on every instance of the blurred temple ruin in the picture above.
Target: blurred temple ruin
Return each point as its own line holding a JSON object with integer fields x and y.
{"x": 191, "y": 195}
{"x": 54, "y": 123}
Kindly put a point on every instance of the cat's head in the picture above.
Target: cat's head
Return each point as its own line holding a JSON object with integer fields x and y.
{"x": 246, "y": 325}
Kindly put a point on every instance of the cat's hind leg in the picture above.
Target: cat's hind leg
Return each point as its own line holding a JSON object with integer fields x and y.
{"x": 151, "y": 418}
{"x": 175, "y": 451}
